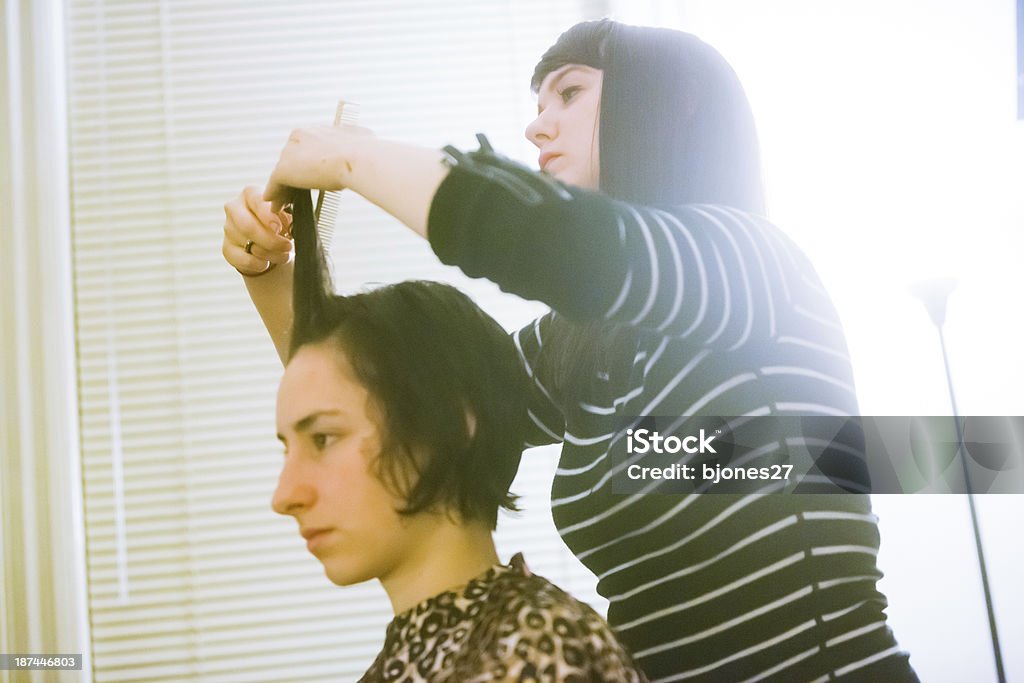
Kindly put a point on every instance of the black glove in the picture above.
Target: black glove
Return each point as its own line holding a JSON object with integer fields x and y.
{"x": 531, "y": 186}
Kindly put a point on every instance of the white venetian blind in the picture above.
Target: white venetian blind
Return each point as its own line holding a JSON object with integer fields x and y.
{"x": 174, "y": 106}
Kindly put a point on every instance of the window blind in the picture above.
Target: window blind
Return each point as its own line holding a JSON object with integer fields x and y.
{"x": 174, "y": 106}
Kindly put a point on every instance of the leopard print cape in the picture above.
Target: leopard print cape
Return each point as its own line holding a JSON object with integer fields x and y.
{"x": 505, "y": 625}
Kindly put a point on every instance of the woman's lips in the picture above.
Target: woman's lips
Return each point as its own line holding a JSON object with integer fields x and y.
{"x": 315, "y": 538}
{"x": 546, "y": 158}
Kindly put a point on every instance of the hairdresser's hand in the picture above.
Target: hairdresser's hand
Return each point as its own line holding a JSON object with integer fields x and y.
{"x": 316, "y": 158}
{"x": 249, "y": 218}
{"x": 399, "y": 178}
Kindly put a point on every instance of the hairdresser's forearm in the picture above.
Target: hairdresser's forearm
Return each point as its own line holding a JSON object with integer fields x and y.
{"x": 399, "y": 178}
{"x": 272, "y": 295}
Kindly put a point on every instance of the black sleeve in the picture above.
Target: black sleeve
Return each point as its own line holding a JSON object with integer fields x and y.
{"x": 712, "y": 274}
{"x": 496, "y": 219}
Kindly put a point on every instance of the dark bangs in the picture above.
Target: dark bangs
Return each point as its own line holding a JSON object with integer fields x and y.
{"x": 584, "y": 43}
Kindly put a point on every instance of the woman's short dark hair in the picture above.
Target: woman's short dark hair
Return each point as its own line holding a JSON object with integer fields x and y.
{"x": 445, "y": 379}
{"x": 676, "y": 126}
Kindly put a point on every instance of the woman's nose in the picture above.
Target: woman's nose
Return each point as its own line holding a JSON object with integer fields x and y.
{"x": 294, "y": 491}
{"x": 540, "y": 130}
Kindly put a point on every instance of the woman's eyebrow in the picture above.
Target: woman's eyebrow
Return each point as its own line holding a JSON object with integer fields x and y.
{"x": 560, "y": 74}
{"x": 306, "y": 423}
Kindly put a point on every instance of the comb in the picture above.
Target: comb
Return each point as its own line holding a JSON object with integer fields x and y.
{"x": 326, "y": 212}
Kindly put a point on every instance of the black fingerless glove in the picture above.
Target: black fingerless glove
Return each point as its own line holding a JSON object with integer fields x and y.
{"x": 530, "y": 186}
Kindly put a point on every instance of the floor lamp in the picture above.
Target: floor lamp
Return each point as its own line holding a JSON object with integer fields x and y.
{"x": 934, "y": 294}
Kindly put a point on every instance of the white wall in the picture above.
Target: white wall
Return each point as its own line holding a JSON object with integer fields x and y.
{"x": 892, "y": 153}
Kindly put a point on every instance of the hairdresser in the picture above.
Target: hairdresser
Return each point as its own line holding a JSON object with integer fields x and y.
{"x": 671, "y": 294}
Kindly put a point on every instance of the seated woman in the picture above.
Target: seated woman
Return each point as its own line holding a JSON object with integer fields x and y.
{"x": 401, "y": 412}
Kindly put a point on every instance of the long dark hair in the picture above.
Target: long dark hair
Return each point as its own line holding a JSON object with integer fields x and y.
{"x": 449, "y": 391}
{"x": 675, "y": 128}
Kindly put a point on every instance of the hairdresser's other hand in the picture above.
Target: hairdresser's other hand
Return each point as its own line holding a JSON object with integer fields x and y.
{"x": 249, "y": 217}
{"x": 315, "y": 158}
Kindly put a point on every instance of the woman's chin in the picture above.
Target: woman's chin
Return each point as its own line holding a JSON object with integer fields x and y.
{"x": 346, "y": 575}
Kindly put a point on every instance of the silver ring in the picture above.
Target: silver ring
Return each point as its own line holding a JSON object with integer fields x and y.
{"x": 248, "y": 246}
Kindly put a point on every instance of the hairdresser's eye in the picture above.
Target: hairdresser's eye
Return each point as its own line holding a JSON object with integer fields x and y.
{"x": 568, "y": 92}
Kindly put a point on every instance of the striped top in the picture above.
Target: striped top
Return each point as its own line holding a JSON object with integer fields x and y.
{"x": 732, "y": 320}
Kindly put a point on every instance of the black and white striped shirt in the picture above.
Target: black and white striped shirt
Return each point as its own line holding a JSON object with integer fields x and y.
{"x": 732, "y": 320}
